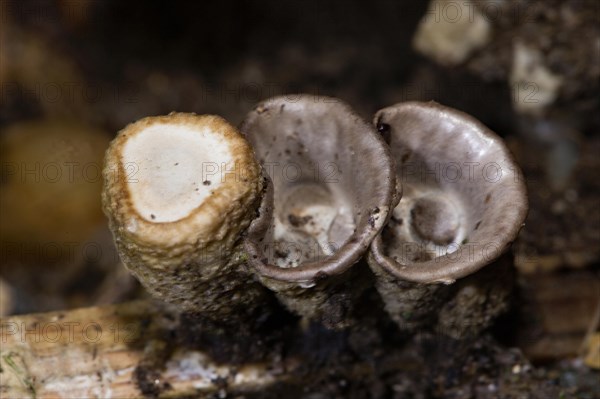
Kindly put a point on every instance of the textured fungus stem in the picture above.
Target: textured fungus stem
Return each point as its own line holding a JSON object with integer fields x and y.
{"x": 463, "y": 203}
{"x": 179, "y": 190}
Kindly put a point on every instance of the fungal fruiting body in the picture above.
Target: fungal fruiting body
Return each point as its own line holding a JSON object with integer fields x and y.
{"x": 333, "y": 187}
{"x": 201, "y": 224}
{"x": 463, "y": 203}
{"x": 179, "y": 190}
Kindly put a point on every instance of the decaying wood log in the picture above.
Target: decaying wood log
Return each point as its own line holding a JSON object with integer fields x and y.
{"x": 96, "y": 352}
{"x": 147, "y": 349}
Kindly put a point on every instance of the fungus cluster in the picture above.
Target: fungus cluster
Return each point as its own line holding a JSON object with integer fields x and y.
{"x": 326, "y": 196}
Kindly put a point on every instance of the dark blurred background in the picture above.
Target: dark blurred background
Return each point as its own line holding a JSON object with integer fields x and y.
{"x": 74, "y": 72}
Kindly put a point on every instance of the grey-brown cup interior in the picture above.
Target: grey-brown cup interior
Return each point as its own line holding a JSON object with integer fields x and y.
{"x": 333, "y": 185}
{"x": 463, "y": 200}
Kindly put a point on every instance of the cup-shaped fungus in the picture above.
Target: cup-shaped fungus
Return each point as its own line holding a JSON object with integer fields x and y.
{"x": 179, "y": 191}
{"x": 463, "y": 203}
{"x": 333, "y": 188}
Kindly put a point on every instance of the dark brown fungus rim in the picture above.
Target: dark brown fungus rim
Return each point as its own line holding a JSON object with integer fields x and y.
{"x": 446, "y": 268}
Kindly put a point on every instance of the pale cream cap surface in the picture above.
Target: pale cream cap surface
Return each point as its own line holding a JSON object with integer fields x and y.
{"x": 176, "y": 169}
